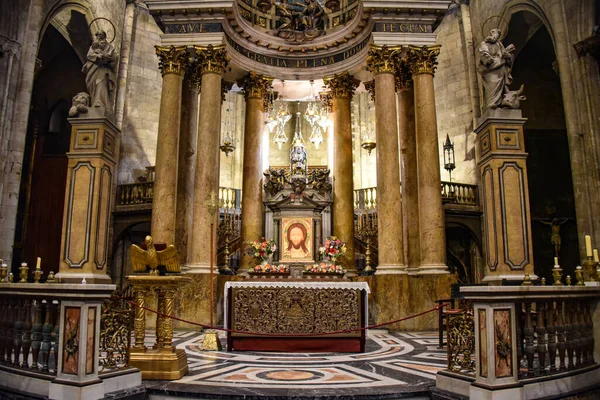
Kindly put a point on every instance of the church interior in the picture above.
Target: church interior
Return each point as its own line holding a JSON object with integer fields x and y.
{"x": 308, "y": 199}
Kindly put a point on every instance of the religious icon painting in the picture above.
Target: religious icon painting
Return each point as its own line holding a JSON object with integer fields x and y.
{"x": 297, "y": 239}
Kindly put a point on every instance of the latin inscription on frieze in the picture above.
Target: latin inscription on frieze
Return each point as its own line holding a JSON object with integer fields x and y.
{"x": 308, "y": 62}
{"x": 400, "y": 27}
{"x": 193, "y": 27}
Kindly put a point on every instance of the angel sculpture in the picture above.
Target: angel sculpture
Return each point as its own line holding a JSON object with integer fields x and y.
{"x": 152, "y": 258}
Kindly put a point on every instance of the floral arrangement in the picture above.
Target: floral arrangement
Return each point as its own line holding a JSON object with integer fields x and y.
{"x": 333, "y": 249}
{"x": 324, "y": 268}
{"x": 261, "y": 250}
{"x": 270, "y": 269}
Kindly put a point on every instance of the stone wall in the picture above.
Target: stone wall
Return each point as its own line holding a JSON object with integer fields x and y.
{"x": 142, "y": 102}
{"x": 452, "y": 100}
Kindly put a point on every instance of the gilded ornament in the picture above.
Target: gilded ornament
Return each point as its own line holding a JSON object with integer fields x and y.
{"x": 193, "y": 75}
{"x": 255, "y": 86}
{"x": 423, "y": 60}
{"x": 461, "y": 342}
{"x": 370, "y": 86}
{"x": 212, "y": 59}
{"x": 153, "y": 258}
{"x": 403, "y": 76}
{"x": 326, "y": 101}
{"x": 172, "y": 59}
{"x": 115, "y": 333}
{"x": 225, "y": 87}
{"x": 342, "y": 85}
{"x": 383, "y": 59}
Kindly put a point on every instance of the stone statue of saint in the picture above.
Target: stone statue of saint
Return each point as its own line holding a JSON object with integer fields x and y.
{"x": 494, "y": 65}
{"x": 100, "y": 71}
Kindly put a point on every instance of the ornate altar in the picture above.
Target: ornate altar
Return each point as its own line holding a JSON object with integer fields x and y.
{"x": 292, "y": 316}
{"x": 297, "y": 198}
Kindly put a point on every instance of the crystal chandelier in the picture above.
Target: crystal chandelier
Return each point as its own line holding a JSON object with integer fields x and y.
{"x": 316, "y": 119}
{"x": 278, "y": 120}
{"x": 228, "y": 145}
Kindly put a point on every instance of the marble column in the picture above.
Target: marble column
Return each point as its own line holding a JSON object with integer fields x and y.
{"x": 408, "y": 161}
{"x": 172, "y": 63}
{"x": 381, "y": 62}
{"x": 256, "y": 88}
{"x": 187, "y": 160}
{"x": 342, "y": 89}
{"x": 212, "y": 63}
{"x": 422, "y": 62}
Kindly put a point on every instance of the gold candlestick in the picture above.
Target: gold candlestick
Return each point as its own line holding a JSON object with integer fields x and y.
{"x": 23, "y": 273}
{"x": 579, "y": 275}
{"x": 557, "y": 275}
{"x": 37, "y": 274}
{"x": 589, "y": 267}
{"x": 11, "y": 277}
{"x": 3, "y": 273}
{"x": 526, "y": 280}
{"x": 568, "y": 280}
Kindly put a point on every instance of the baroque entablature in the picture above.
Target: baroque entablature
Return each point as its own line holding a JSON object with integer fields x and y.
{"x": 298, "y": 39}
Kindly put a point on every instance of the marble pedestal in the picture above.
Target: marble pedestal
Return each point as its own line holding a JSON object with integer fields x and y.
{"x": 90, "y": 179}
{"x": 507, "y": 243}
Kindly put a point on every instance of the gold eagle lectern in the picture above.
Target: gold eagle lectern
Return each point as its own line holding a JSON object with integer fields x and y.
{"x": 152, "y": 258}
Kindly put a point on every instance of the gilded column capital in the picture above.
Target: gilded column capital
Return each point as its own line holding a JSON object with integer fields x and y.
{"x": 326, "y": 101}
{"x": 403, "y": 76}
{"x": 255, "y": 86}
{"x": 193, "y": 75}
{"x": 423, "y": 60}
{"x": 172, "y": 59}
{"x": 212, "y": 59}
{"x": 342, "y": 85}
{"x": 225, "y": 87}
{"x": 382, "y": 59}
{"x": 370, "y": 86}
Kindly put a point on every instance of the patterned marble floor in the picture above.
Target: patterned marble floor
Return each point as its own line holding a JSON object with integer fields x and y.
{"x": 395, "y": 365}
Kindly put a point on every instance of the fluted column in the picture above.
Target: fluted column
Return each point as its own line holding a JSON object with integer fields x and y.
{"x": 381, "y": 61}
{"x": 431, "y": 214}
{"x": 255, "y": 89}
{"x": 408, "y": 160}
{"x": 342, "y": 89}
{"x": 212, "y": 62}
{"x": 187, "y": 161}
{"x": 172, "y": 62}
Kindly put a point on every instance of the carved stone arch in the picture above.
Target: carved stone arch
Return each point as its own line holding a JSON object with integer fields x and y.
{"x": 73, "y": 28}
{"x": 514, "y": 6}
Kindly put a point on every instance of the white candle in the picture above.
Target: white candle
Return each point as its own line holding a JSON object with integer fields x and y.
{"x": 555, "y": 260}
{"x": 596, "y": 255}
{"x": 588, "y": 245}
{"x": 39, "y": 263}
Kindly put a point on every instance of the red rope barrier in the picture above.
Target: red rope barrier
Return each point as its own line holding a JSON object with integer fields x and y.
{"x": 290, "y": 334}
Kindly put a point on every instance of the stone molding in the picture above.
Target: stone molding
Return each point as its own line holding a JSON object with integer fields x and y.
{"x": 423, "y": 60}
{"x": 255, "y": 86}
{"x": 342, "y": 85}
{"x": 383, "y": 59}
{"x": 212, "y": 59}
{"x": 172, "y": 59}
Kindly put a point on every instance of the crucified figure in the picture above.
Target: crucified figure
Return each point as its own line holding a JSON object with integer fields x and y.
{"x": 554, "y": 224}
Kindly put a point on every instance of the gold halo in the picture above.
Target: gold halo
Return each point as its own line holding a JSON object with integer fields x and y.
{"x": 491, "y": 20}
{"x": 105, "y": 19}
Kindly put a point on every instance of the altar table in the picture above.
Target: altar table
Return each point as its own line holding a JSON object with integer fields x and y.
{"x": 289, "y": 310}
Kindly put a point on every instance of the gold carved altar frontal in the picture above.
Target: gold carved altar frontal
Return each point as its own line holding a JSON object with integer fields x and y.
{"x": 296, "y": 311}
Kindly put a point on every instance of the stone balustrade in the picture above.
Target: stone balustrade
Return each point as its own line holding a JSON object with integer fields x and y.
{"x": 57, "y": 339}
{"x": 512, "y": 338}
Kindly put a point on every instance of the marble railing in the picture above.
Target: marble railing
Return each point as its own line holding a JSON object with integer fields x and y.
{"x": 135, "y": 193}
{"x": 518, "y": 336}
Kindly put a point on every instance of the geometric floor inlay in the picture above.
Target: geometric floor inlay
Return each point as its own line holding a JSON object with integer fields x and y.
{"x": 403, "y": 362}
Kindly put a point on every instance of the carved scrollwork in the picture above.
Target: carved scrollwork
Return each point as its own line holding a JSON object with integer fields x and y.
{"x": 255, "y": 86}
{"x": 116, "y": 324}
{"x": 423, "y": 60}
{"x": 172, "y": 59}
{"x": 342, "y": 85}
{"x": 461, "y": 342}
{"x": 212, "y": 59}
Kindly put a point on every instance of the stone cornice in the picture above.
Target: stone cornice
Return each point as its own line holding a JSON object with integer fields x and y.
{"x": 342, "y": 85}
{"x": 423, "y": 60}
{"x": 172, "y": 60}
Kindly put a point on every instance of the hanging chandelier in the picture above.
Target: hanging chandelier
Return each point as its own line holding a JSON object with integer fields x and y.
{"x": 368, "y": 143}
{"x": 278, "y": 121}
{"x": 317, "y": 119}
{"x": 228, "y": 145}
